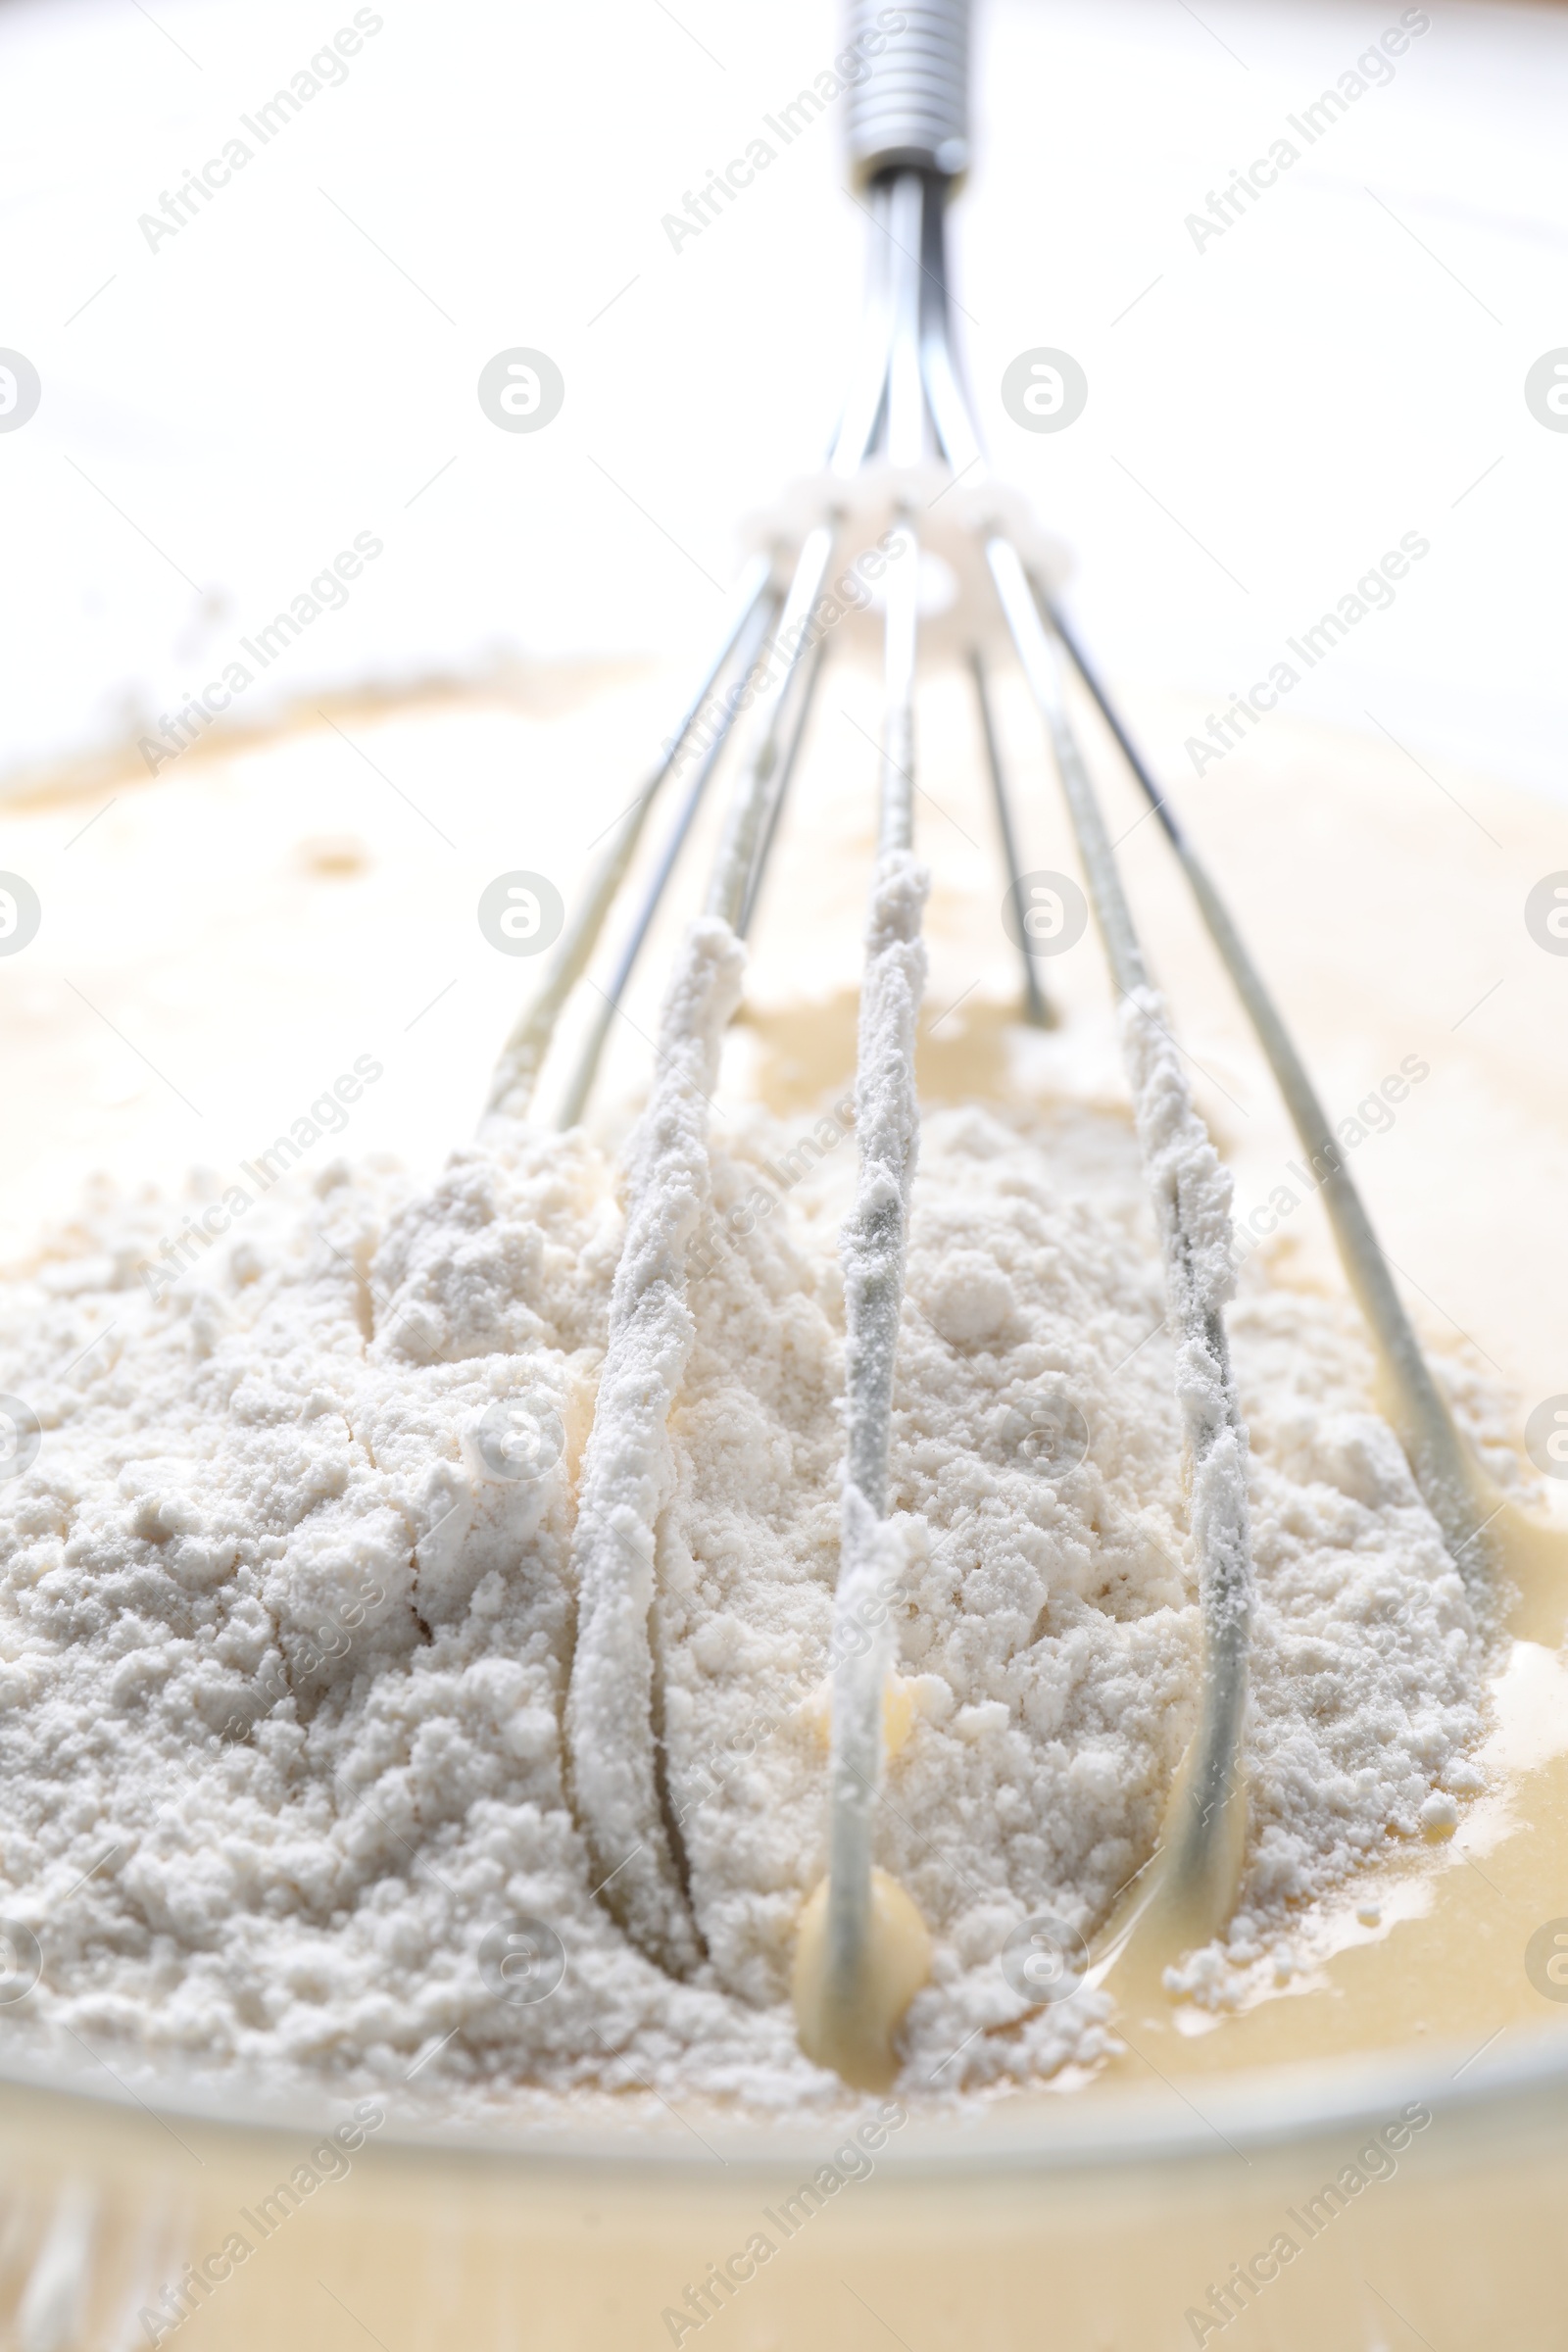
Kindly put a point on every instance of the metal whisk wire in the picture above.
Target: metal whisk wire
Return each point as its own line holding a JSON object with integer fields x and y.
{"x": 863, "y": 1949}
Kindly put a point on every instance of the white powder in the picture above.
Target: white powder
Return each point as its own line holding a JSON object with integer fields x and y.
{"x": 629, "y": 1474}
{"x": 294, "y": 1856}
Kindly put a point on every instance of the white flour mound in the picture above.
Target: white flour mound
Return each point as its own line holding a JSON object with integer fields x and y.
{"x": 284, "y": 1659}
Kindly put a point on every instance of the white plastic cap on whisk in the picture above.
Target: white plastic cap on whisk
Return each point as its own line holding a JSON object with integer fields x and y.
{"x": 911, "y": 110}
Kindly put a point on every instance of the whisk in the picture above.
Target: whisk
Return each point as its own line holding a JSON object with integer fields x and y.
{"x": 906, "y": 471}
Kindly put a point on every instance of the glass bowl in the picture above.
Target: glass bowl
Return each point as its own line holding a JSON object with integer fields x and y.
{"x": 1410, "y": 2200}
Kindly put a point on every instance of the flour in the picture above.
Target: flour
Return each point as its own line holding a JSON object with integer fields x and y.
{"x": 285, "y": 1646}
{"x": 629, "y": 1474}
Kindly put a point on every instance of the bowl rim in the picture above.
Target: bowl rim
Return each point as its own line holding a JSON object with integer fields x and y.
{"x": 1260, "y": 2111}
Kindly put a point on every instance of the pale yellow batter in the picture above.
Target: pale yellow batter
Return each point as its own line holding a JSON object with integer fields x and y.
{"x": 215, "y": 946}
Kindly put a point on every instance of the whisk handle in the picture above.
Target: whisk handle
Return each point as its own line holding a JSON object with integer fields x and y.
{"x": 909, "y": 108}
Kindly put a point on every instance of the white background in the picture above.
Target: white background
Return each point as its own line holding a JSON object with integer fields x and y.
{"x": 1340, "y": 369}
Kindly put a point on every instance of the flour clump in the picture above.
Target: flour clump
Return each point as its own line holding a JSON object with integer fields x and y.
{"x": 288, "y": 1608}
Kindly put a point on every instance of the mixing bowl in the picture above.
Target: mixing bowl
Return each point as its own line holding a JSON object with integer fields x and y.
{"x": 1395, "y": 2203}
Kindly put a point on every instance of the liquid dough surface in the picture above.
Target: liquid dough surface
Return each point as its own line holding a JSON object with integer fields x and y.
{"x": 279, "y": 1637}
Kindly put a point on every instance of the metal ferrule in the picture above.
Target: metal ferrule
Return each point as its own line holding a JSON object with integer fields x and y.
{"x": 909, "y": 107}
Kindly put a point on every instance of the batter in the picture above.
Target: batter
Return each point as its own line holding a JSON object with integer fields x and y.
{"x": 278, "y": 1432}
